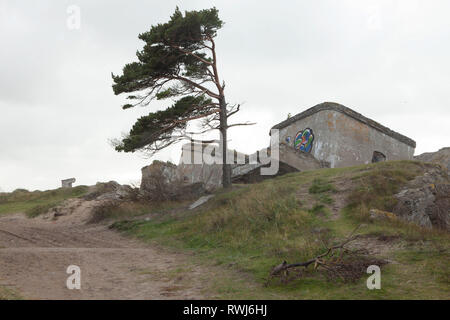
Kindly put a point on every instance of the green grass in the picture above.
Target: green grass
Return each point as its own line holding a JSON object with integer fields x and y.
{"x": 37, "y": 202}
{"x": 243, "y": 232}
{"x": 319, "y": 185}
{"x": 7, "y": 294}
{"x": 321, "y": 189}
{"x": 252, "y": 228}
{"x": 375, "y": 188}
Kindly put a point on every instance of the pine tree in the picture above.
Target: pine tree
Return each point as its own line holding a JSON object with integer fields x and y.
{"x": 178, "y": 62}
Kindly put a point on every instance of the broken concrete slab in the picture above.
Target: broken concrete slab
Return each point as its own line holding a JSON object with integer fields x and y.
{"x": 200, "y": 201}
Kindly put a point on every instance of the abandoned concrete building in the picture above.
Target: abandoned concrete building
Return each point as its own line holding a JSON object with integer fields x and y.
{"x": 67, "y": 183}
{"x": 341, "y": 137}
{"x": 328, "y": 135}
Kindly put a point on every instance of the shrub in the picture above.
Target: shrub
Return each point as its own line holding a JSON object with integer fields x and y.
{"x": 377, "y": 187}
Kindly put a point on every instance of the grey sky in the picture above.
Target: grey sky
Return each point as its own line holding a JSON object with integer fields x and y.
{"x": 388, "y": 60}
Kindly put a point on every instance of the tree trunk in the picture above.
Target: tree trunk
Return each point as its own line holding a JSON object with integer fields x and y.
{"x": 226, "y": 167}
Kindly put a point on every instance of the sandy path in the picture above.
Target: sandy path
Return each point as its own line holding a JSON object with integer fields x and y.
{"x": 34, "y": 256}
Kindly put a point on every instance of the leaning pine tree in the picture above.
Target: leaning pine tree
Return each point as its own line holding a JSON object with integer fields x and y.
{"x": 178, "y": 62}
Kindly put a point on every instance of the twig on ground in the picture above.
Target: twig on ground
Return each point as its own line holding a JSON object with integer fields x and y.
{"x": 282, "y": 269}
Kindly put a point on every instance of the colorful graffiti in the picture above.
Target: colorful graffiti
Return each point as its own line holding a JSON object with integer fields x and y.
{"x": 288, "y": 139}
{"x": 304, "y": 140}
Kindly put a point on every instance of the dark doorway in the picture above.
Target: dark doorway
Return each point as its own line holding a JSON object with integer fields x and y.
{"x": 378, "y": 157}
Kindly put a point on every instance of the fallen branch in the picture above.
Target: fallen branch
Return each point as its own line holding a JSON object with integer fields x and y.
{"x": 284, "y": 266}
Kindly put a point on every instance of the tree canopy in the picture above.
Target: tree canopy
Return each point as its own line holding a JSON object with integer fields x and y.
{"x": 177, "y": 62}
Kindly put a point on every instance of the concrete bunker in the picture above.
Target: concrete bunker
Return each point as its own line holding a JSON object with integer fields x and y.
{"x": 326, "y": 135}
{"x": 341, "y": 137}
{"x": 67, "y": 183}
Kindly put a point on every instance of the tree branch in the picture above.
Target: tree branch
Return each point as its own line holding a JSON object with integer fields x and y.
{"x": 192, "y": 54}
{"x": 235, "y": 111}
{"x": 196, "y": 85}
{"x": 241, "y": 124}
{"x": 284, "y": 266}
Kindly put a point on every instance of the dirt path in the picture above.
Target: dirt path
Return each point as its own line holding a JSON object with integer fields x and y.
{"x": 35, "y": 254}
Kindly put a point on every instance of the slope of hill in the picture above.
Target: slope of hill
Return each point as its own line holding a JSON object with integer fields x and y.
{"x": 246, "y": 231}
{"x": 442, "y": 157}
{"x": 296, "y": 217}
{"x": 36, "y": 202}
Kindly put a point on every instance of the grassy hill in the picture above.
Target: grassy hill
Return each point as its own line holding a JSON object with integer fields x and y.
{"x": 36, "y": 202}
{"x": 295, "y": 217}
{"x": 244, "y": 232}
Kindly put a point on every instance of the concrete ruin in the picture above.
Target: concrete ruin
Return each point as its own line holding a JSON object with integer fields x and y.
{"x": 67, "y": 183}
{"x": 340, "y": 137}
{"x": 193, "y": 170}
{"x": 328, "y": 135}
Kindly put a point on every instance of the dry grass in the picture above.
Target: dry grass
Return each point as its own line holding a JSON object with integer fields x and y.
{"x": 7, "y": 294}
{"x": 37, "y": 202}
{"x": 375, "y": 188}
{"x": 252, "y": 228}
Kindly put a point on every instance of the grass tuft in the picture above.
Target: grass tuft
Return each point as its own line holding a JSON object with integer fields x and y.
{"x": 37, "y": 202}
{"x": 320, "y": 185}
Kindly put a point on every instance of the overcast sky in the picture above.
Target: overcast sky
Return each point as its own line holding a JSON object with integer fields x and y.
{"x": 388, "y": 60}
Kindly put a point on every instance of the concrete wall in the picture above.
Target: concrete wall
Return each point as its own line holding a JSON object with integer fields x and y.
{"x": 344, "y": 141}
{"x": 67, "y": 183}
{"x": 341, "y": 137}
{"x": 209, "y": 174}
{"x": 301, "y": 161}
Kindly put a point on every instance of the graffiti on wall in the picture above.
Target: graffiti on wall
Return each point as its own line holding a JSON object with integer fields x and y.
{"x": 304, "y": 140}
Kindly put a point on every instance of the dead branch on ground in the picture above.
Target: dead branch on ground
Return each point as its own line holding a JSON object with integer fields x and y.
{"x": 319, "y": 261}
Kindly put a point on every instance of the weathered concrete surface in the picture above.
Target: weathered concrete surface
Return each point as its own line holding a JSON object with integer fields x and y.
{"x": 156, "y": 173}
{"x": 254, "y": 176}
{"x": 426, "y": 200}
{"x": 209, "y": 175}
{"x": 194, "y": 168}
{"x": 324, "y": 136}
{"x": 442, "y": 157}
{"x": 342, "y": 137}
{"x": 67, "y": 183}
{"x": 302, "y": 161}
{"x": 246, "y": 168}
{"x": 200, "y": 201}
